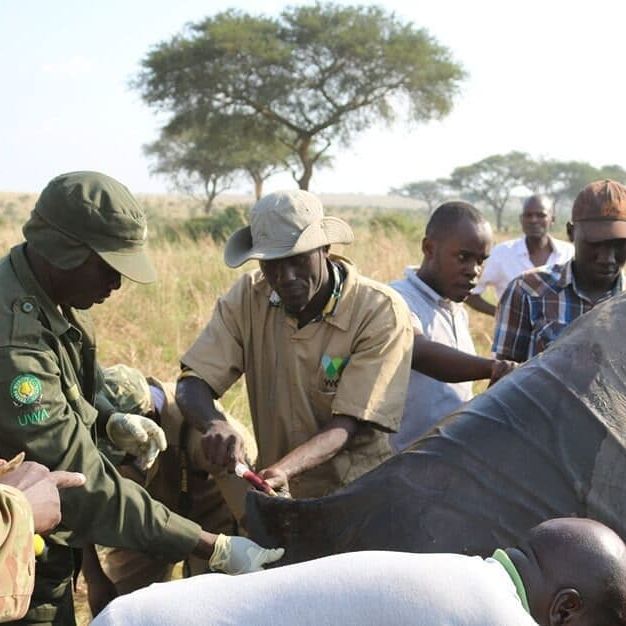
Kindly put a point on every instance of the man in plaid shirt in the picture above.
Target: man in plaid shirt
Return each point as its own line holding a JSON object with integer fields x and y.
{"x": 538, "y": 305}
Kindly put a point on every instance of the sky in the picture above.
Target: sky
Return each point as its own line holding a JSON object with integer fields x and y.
{"x": 544, "y": 76}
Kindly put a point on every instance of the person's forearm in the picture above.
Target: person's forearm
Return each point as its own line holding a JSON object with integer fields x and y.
{"x": 205, "y": 545}
{"x": 322, "y": 447}
{"x": 448, "y": 364}
{"x": 195, "y": 399}
{"x": 478, "y": 303}
{"x": 91, "y": 566}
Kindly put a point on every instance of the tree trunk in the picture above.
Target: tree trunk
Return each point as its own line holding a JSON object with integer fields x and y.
{"x": 210, "y": 190}
{"x": 258, "y": 184}
{"x": 307, "y": 163}
{"x": 498, "y": 211}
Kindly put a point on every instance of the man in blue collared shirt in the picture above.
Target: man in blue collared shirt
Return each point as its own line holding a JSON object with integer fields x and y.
{"x": 457, "y": 242}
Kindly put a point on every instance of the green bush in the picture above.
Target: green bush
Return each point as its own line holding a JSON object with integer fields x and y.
{"x": 409, "y": 225}
{"x": 218, "y": 226}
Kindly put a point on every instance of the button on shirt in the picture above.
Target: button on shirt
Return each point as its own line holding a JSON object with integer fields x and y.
{"x": 444, "y": 321}
{"x": 509, "y": 259}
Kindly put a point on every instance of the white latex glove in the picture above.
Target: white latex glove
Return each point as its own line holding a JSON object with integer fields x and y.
{"x": 238, "y": 555}
{"x": 137, "y": 435}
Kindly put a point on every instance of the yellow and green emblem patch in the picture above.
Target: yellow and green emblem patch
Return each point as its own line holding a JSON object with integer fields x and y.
{"x": 25, "y": 389}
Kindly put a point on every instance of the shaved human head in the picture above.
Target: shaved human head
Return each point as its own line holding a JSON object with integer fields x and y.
{"x": 538, "y": 201}
{"x": 575, "y": 569}
{"x": 448, "y": 215}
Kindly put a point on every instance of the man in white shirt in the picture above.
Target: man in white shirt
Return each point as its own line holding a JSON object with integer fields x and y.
{"x": 511, "y": 258}
{"x": 568, "y": 571}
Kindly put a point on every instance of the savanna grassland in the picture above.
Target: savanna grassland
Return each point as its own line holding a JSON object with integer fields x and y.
{"x": 149, "y": 327}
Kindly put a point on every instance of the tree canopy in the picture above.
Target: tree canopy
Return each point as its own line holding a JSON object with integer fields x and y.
{"x": 209, "y": 154}
{"x": 430, "y": 192}
{"x": 562, "y": 180}
{"x": 315, "y": 74}
{"x": 492, "y": 181}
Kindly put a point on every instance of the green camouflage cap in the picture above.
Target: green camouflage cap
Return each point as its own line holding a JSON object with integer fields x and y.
{"x": 99, "y": 212}
{"x": 127, "y": 389}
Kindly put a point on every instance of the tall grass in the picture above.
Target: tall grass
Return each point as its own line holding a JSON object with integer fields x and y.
{"x": 151, "y": 326}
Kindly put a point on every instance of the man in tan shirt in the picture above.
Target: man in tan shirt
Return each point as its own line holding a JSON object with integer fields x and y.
{"x": 326, "y": 353}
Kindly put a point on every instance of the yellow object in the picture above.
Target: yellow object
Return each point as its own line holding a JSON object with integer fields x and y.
{"x": 39, "y": 544}
{"x": 15, "y": 462}
{"x": 187, "y": 373}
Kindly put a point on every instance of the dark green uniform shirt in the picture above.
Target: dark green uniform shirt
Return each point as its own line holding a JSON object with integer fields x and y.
{"x": 47, "y": 385}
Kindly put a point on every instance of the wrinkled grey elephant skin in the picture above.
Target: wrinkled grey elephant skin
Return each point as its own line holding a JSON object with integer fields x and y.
{"x": 546, "y": 441}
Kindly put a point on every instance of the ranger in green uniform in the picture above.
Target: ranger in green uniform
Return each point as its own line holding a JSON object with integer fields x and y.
{"x": 84, "y": 233}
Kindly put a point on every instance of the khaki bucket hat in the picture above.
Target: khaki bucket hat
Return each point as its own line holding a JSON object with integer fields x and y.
{"x": 99, "y": 212}
{"x": 284, "y": 224}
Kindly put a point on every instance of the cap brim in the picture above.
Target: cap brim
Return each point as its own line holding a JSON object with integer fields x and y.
{"x": 239, "y": 248}
{"x": 135, "y": 266}
{"x": 602, "y": 230}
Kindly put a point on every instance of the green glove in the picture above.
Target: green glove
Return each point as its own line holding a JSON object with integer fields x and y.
{"x": 137, "y": 435}
{"x": 238, "y": 555}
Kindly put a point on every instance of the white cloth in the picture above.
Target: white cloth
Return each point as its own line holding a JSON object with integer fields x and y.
{"x": 510, "y": 258}
{"x": 358, "y": 588}
{"x": 438, "y": 319}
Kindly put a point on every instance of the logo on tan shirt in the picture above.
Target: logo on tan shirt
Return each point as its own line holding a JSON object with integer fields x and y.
{"x": 333, "y": 367}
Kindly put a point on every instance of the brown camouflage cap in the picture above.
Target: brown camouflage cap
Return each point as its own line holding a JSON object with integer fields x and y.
{"x": 600, "y": 210}
{"x": 99, "y": 212}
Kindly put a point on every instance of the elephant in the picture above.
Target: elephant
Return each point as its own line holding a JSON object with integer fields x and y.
{"x": 545, "y": 441}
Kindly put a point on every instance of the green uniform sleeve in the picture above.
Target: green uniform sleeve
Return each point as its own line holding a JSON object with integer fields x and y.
{"x": 35, "y": 416}
{"x": 17, "y": 556}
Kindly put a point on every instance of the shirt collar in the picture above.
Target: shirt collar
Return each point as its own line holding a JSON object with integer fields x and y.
{"x": 509, "y": 567}
{"x": 522, "y": 248}
{"x": 342, "y": 315}
{"x": 427, "y": 290}
{"x": 58, "y": 324}
{"x": 567, "y": 278}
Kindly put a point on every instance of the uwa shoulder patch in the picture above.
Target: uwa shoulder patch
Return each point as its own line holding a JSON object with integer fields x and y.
{"x": 25, "y": 389}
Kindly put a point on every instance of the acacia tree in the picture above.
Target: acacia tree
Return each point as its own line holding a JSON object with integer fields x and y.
{"x": 431, "y": 192}
{"x": 316, "y": 74}
{"x": 252, "y": 146}
{"x": 562, "y": 180}
{"x": 191, "y": 164}
{"x": 492, "y": 180}
{"x": 210, "y": 154}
